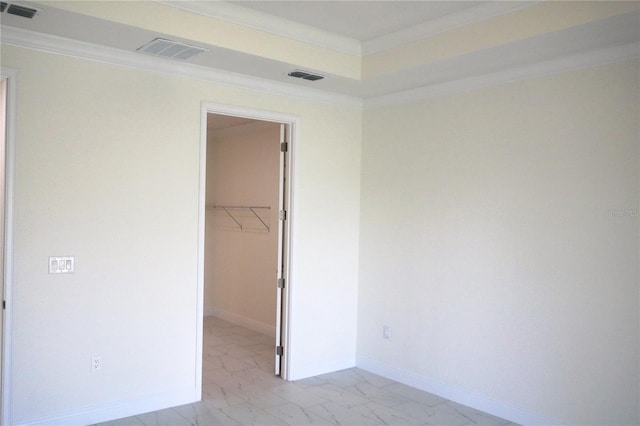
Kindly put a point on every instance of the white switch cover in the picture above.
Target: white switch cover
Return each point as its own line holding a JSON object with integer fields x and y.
{"x": 61, "y": 264}
{"x": 386, "y": 332}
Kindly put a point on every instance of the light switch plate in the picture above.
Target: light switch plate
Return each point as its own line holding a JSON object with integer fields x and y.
{"x": 61, "y": 264}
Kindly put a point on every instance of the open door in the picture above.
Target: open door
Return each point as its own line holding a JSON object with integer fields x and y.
{"x": 3, "y": 120}
{"x": 280, "y": 293}
{"x": 224, "y": 123}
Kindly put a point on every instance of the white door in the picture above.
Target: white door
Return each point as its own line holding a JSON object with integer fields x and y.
{"x": 3, "y": 139}
{"x": 282, "y": 246}
{"x": 4, "y": 120}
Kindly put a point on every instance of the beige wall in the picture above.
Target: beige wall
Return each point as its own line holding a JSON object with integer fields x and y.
{"x": 107, "y": 170}
{"x": 499, "y": 241}
{"x": 241, "y": 265}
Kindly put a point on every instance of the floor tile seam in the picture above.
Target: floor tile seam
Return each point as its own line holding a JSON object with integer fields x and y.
{"x": 463, "y": 414}
{"x": 403, "y": 414}
{"x": 349, "y": 409}
{"x": 180, "y": 414}
{"x": 382, "y": 421}
{"x": 305, "y": 410}
{"x": 263, "y": 412}
{"x": 349, "y": 406}
{"x": 380, "y": 396}
{"x": 417, "y": 400}
{"x": 325, "y": 400}
{"x": 468, "y": 423}
{"x": 340, "y": 401}
{"x": 434, "y": 407}
{"x": 226, "y": 398}
{"x": 240, "y": 395}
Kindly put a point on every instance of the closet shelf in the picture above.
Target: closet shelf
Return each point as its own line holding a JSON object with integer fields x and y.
{"x": 230, "y": 210}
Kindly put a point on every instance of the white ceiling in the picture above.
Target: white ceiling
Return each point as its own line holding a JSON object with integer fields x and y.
{"x": 360, "y": 20}
{"x": 366, "y": 24}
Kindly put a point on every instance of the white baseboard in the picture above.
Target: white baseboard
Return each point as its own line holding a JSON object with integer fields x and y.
{"x": 453, "y": 393}
{"x": 269, "y": 330}
{"x": 118, "y": 409}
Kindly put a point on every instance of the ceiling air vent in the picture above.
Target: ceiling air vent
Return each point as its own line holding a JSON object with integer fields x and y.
{"x": 15, "y": 9}
{"x": 305, "y": 75}
{"x": 170, "y": 49}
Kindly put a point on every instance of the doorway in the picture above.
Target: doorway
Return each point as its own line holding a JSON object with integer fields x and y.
{"x": 245, "y": 261}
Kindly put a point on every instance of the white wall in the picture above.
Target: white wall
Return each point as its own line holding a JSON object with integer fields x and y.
{"x": 243, "y": 164}
{"x": 499, "y": 241}
{"x": 107, "y": 170}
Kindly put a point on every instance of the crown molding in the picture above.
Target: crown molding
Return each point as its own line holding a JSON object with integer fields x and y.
{"x": 58, "y": 45}
{"x": 446, "y": 23}
{"x": 78, "y": 49}
{"x": 269, "y": 23}
{"x": 556, "y": 66}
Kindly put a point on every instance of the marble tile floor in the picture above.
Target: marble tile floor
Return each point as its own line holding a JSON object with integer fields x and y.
{"x": 239, "y": 388}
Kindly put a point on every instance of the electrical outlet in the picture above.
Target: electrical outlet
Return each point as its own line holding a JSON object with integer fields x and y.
{"x": 96, "y": 363}
{"x": 386, "y": 332}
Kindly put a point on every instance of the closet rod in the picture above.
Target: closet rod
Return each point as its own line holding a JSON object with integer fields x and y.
{"x": 250, "y": 208}
{"x": 215, "y": 206}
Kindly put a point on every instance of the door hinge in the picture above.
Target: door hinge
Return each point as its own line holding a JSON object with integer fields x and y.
{"x": 284, "y": 146}
{"x": 283, "y": 215}
{"x": 4, "y": 304}
{"x": 280, "y": 282}
{"x": 279, "y": 350}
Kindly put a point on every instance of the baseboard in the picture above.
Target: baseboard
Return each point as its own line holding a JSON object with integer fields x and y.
{"x": 234, "y": 318}
{"x": 118, "y": 409}
{"x": 453, "y": 393}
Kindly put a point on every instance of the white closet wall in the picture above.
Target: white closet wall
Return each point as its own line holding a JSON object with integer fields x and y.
{"x": 240, "y": 264}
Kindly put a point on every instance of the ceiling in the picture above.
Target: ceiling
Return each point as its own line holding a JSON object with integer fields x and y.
{"x": 361, "y": 20}
{"x": 365, "y": 49}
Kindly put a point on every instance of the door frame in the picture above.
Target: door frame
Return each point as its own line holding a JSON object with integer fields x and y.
{"x": 262, "y": 115}
{"x": 11, "y": 77}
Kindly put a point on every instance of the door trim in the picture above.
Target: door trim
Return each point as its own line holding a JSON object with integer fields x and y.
{"x": 255, "y": 114}
{"x": 11, "y": 76}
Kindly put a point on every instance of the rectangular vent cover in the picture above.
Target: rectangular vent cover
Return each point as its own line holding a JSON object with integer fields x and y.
{"x": 305, "y": 75}
{"x": 170, "y": 49}
{"x": 15, "y": 9}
